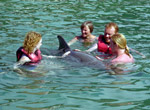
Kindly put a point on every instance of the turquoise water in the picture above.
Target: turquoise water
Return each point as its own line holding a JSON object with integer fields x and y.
{"x": 58, "y": 85}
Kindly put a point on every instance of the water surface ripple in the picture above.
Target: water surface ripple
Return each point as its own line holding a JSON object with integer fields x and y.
{"x": 62, "y": 86}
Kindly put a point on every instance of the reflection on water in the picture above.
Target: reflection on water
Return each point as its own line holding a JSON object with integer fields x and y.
{"x": 59, "y": 84}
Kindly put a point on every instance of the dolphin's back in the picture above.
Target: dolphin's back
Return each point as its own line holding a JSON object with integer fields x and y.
{"x": 62, "y": 44}
{"x": 88, "y": 60}
{"x": 85, "y": 58}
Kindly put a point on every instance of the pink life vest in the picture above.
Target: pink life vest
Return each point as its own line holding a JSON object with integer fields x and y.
{"x": 102, "y": 46}
{"x": 34, "y": 57}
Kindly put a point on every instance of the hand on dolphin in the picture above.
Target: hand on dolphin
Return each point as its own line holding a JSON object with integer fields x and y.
{"x": 77, "y": 50}
{"x": 51, "y": 56}
{"x": 99, "y": 58}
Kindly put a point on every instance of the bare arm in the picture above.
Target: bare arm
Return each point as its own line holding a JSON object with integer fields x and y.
{"x": 22, "y": 61}
{"x": 143, "y": 56}
{"x": 94, "y": 47}
{"x": 72, "y": 41}
{"x": 64, "y": 55}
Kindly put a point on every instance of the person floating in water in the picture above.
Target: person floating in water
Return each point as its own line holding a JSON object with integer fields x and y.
{"x": 120, "y": 50}
{"x": 103, "y": 44}
{"x": 120, "y": 55}
{"x": 29, "y": 53}
{"x": 86, "y": 36}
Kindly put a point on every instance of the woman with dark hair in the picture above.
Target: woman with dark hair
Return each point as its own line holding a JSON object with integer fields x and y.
{"x": 86, "y": 34}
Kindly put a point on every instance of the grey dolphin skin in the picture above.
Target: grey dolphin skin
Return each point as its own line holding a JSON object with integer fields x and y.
{"x": 78, "y": 56}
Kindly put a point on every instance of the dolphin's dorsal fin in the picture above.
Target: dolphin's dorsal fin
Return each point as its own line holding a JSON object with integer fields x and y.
{"x": 62, "y": 44}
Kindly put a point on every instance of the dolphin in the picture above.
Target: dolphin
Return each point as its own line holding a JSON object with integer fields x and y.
{"x": 79, "y": 56}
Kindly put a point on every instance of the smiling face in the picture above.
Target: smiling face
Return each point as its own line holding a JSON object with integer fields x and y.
{"x": 108, "y": 33}
{"x": 86, "y": 29}
{"x": 85, "y": 32}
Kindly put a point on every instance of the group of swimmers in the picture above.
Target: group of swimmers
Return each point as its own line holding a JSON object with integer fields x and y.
{"x": 112, "y": 43}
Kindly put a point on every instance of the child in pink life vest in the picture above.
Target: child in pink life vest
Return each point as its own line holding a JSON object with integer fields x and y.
{"x": 29, "y": 53}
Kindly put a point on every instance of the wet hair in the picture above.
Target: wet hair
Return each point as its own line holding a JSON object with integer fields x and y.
{"x": 89, "y": 24}
{"x": 111, "y": 24}
{"x": 120, "y": 41}
{"x": 31, "y": 40}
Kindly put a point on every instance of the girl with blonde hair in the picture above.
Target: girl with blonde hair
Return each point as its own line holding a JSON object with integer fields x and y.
{"x": 120, "y": 50}
{"x": 29, "y": 53}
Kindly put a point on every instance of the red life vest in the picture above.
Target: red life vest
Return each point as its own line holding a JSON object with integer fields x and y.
{"x": 102, "y": 46}
{"x": 34, "y": 57}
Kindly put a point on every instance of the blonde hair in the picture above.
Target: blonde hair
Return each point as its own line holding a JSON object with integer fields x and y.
{"x": 120, "y": 41}
{"x": 30, "y": 41}
{"x": 111, "y": 24}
